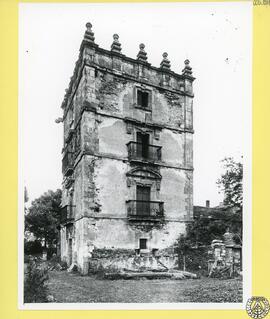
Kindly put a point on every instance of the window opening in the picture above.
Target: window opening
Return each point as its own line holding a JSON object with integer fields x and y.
{"x": 143, "y": 243}
{"x": 142, "y": 99}
{"x": 143, "y": 145}
{"x": 143, "y": 194}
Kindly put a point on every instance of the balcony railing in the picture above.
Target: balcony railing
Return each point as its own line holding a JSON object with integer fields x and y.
{"x": 67, "y": 163}
{"x": 138, "y": 209}
{"x": 67, "y": 214}
{"x": 146, "y": 152}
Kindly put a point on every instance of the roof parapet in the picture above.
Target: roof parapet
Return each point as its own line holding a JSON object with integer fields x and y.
{"x": 89, "y": 41}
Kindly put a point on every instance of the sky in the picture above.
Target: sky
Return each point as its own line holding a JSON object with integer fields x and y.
{"x": 215, "y": 37}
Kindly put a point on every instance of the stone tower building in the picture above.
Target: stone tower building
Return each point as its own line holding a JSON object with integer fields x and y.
{"x": 128, "y": 153}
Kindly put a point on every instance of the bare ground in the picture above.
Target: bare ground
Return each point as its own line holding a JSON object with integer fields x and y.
{"x": 73, "y": 288}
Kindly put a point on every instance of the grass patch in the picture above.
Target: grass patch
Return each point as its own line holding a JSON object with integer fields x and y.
{"x": 68, "y": 287}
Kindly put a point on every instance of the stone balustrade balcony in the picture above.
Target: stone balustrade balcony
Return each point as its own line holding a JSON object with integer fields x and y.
{"x": 67, "y": 163}
{"x": 67, "y": 214}
{"x": 145, "y": 210}
{"x": 144, "y": 152}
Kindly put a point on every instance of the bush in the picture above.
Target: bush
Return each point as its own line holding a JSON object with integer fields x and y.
{"x": 32, "y": 247}
{"x": 196, "y": 260}
{"x": 64, "y": 265}
{"x": 26, "y": 259}
{"x": 51, "y": 251}
{"x": 35, "y": 289}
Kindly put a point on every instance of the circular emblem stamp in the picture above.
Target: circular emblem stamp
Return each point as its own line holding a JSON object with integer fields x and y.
{"x": 257, "y": 307}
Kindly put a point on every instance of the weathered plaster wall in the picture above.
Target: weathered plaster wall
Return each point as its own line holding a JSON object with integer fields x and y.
{"x": 118, "y": 233}
{"x": 189, "y": 112}
{"x": 174, "y": 193}
{"x": 98, "y": 138}
{"x": 133, "y": 69}
{"x": 104, "y": 180}
{"x": 63, "y": 244}
{"x": 116, "y": 96}
{"x": 113, "y": 137}
{"x": 112, "y": 187}
{"x": 189, "y": 150}
{"x": 173, "y": 147}
{"x": 79, "y": 242}
{"x": 89, "y": 133}
{"x": 78, "y": 191}
{"x": 101, "y": 116}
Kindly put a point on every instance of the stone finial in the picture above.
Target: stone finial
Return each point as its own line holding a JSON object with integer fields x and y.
{"x": 142, "y": 55}
{"x": 116, "y": 45}
{"x": 165, "y": 63}
{"x": 187, "y": 69}
{"x": 89, "y": 34}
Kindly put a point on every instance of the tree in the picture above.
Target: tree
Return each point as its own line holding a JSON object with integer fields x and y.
{"x": 35, "y": 288}
{"x": 43, "y": 216}
{"x": 204, "y": 229}
{"x": 26, "y": 199}
{"x": 230, "y": 183}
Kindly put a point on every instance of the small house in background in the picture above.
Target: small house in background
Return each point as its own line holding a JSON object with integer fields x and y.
{"x": 217, "y": 212}
{"x": 223, "y": 215}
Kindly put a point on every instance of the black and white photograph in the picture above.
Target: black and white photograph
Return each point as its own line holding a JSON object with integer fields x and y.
{"x": 135, "y": 155}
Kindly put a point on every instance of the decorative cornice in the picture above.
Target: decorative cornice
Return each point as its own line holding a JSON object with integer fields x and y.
{"x": 68, "y": 98}
{"x": 93, "y": 108}
{"x": 125, "y": 159}
{"x": 89, "y": 42}
{"x": 142, "y": 169}
{"x": 110, "y": 217}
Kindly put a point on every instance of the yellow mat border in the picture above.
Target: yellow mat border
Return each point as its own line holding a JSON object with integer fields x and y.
{"x": 9, "y": 173}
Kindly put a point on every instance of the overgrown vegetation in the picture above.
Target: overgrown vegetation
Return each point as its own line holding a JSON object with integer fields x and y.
{"x": 203, "y": 230}
{"x": 42, "y": 218}
{"x": 32, "y": 247}
{"x": 231, "y": 183}
{"x": 35, "y": 288}
{"x": 192, "y": 249}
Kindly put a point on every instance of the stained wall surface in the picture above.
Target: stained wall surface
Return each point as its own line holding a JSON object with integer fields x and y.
{"x": 102, "y": 120}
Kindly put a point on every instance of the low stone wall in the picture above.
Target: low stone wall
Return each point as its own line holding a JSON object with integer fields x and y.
{"x": 121, "y": 260}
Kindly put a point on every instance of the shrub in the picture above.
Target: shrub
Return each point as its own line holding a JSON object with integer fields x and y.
{"x": 35, "y": 289}
{"x": 196, "y": 260}
{"x": 32, "y": 247}
{"x": 51, "y": 251}
{"x": 64, "y": 265}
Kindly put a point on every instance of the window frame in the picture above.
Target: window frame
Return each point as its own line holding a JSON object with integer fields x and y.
{"x": 149, "y": 95}
{"x": 143, "y": 240}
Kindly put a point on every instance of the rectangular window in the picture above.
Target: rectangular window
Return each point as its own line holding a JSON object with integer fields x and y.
{"x": 143, "y": 243}
{"x": 143, "y": 145}
{"x": 143, "y": 194}
{"x": 142, "y": 99}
